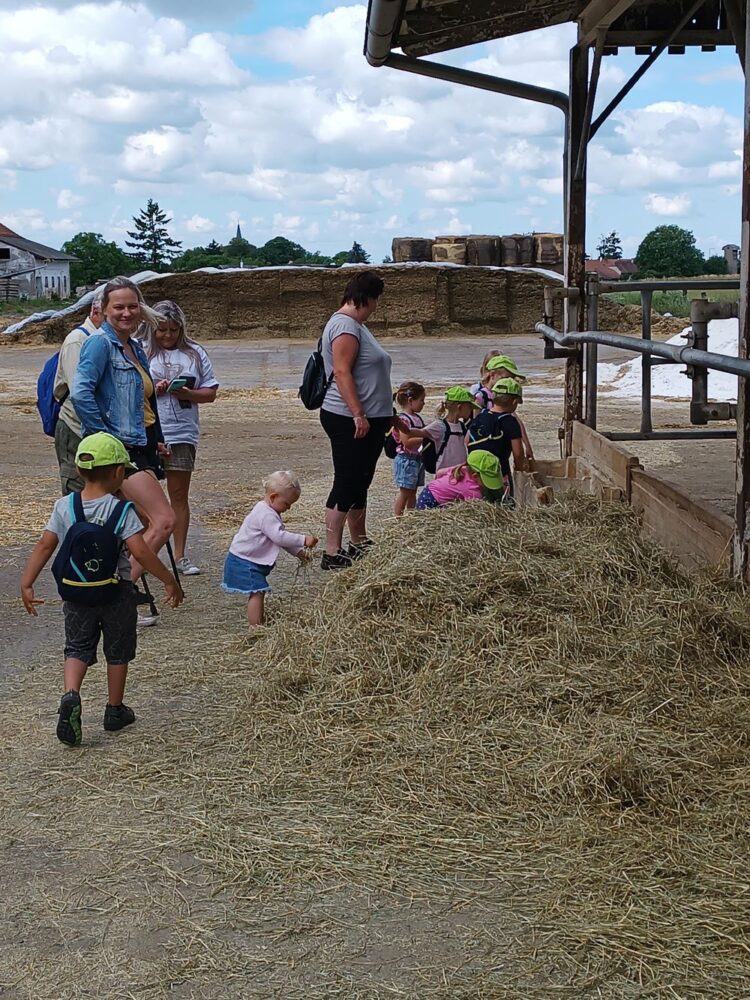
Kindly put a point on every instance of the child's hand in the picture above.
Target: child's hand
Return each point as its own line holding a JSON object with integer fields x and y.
{"x": 29, "y": 601}
{"x": 174, "y": 593}
{"x": 310, "y": 541}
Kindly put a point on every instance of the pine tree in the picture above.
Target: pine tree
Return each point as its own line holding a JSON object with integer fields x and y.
{"x": 151, "y": 242}
{"x": 609, "y": 247}
{"x": 357, "y": 254}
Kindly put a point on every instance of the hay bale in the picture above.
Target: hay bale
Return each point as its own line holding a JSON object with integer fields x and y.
{"x": 483, "y": 251}
{"x": 449, "y": 250}
{"x": 548, "y": 249}
{"x": 411, "y": 248}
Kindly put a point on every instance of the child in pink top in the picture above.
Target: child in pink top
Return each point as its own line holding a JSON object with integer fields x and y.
{"x": 478, "y": 478}
{"x": 447, "y": 434}
{"x": 255, "y": 548}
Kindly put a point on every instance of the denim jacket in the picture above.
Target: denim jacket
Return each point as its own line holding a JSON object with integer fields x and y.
{"x": 107, "y": 390}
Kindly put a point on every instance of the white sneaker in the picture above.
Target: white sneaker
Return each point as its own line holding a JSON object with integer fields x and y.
{"x": 144, "y": 621}
{"x": 186, "y": 568}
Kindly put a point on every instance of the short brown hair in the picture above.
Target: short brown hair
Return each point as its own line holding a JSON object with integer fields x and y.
{"x": 99, "y": 474}
{"x": 363, "y": 287}
{"x": 407, "y": 391}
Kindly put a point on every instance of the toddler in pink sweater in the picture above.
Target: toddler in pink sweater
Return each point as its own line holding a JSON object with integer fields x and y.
{"x": 255, "y": 548}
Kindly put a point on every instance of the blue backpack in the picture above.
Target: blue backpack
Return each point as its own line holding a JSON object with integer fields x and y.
{"x": 46, "y": 403}
{"x": 85, "y": 568}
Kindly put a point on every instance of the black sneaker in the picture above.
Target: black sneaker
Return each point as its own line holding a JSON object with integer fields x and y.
{"x": 69, "y": 723}
{"x": 340, "y": 561}
{"x": 359, "y": 549}
{"x": 117, "y": 717}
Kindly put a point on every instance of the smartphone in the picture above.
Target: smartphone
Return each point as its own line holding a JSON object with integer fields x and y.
{"x": 176, "y": 383}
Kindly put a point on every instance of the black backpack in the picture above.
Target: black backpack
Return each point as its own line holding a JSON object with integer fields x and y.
{"x": 315, "y": 385}
{"x": 431, "y": 456}
{"x": 85, "y": 568}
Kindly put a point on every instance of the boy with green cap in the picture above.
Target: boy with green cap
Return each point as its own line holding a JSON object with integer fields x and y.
{"x": 498, "y": 431}
{"x": 99, "y": 598}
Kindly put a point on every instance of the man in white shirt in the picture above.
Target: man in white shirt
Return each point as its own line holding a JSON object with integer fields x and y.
{"x": 68, "y": 429}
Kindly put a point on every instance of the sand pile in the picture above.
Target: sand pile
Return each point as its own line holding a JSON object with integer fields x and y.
{"x": 531, "y": 721}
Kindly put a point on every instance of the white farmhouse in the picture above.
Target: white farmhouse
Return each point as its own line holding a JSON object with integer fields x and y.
{"x": 32, "y": 270}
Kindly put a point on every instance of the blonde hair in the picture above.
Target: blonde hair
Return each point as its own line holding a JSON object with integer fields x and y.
{"x": 483, "y": 373}
{"x": 121, "y": 282}
{"x": 448, "y": 410}
{"x": 169, "y": 312}
{"x": 280, "y": 481}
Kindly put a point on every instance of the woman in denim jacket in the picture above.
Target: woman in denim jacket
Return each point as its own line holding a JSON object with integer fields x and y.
{"x": 113, "y": 391}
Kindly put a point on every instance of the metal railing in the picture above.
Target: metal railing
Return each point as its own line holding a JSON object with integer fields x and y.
{"x": 694, "y": 355}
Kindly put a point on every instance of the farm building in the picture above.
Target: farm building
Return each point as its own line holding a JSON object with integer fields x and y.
{"x": 32, "y": 270}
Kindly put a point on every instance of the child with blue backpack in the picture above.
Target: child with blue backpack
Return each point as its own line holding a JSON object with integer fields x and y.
{"x": 96, "y": 532}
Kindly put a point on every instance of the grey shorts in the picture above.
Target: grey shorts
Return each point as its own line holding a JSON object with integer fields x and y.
{"x": 182, "y": 458}
{"x": 66, "y": 446}
{"x": 117, "y": 622}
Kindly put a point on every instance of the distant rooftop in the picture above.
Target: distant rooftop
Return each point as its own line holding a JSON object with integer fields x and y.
{"x": 9, "y": 238}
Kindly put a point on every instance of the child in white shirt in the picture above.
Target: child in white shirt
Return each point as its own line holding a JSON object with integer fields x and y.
{"x": 255, "y": 548}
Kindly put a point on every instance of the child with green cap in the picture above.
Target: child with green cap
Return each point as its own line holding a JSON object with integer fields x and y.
{"x": 501, "y": 366}
{"x": 447, "y": 434}
{"x": 478, "y": 478}
{"x": 497, "y": 431}
{"x": 96, "y": 531}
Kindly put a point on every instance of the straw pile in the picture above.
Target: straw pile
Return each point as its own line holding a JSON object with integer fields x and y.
{"x": 520, "y": 739}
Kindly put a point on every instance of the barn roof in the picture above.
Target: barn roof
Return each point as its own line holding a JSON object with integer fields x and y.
{"x": 424, "y": 27}
{"x": 11, "y": 239}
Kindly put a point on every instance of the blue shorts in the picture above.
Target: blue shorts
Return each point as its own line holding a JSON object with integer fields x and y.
{"x": 408, "y": 472}
{"x": 244, "y": 577}
{"x": 426, "y": 500}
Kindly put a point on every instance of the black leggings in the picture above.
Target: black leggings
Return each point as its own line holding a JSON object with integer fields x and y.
{"x": 354, "y": 459}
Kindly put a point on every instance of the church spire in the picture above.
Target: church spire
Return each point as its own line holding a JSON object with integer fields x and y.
{"x": 239, "y": 232}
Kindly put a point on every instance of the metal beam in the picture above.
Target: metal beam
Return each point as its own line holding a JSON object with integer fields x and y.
{"x": 742, "y": 488}
{"x": 599, "y": 14}
{"x": 482, "y": 81}
{"x": 688, "y": 37}
{"x": 589, "y": 109}
{"x": 647, "y": 63}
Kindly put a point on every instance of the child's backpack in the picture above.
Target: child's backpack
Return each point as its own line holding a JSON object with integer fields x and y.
{"x": 390, "y": 447}
{"x": 315, "y": 385}
{"x": 486, "y": 395}
{"x": 85, "y": 568}
{"x": 46, "y": 403}
{"x": 430, "y": 455}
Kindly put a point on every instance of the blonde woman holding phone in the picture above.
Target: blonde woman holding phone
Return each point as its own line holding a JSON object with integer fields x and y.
{"x": 184, "y": 380}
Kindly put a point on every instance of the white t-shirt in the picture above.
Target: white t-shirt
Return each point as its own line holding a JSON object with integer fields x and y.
{"x": 371, "y": 370}
{"x": 181, "y": 425}
{"x": 97, "y": 512}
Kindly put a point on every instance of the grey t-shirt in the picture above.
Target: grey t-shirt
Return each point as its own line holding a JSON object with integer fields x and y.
{"x": 97, "y": 511}
{"x": 371, "y": 370}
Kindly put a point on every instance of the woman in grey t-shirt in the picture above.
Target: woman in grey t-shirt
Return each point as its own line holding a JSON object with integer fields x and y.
{"x": 356, "y": 415}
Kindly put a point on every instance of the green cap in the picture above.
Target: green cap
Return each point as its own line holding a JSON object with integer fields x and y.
{"x": 104, "y": 449}
{"x": 508, "y": 387}
{"x": 503, "y": 361}
{"x": 457, "y": 394}
{"x": 488, "y": 467}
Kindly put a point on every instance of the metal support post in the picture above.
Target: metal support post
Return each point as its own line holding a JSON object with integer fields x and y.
{"x": 742, "y": 499}
{"x": 646, "y": 422}
{"x": 592, "y": 349}
{"x": 575, "y": 230}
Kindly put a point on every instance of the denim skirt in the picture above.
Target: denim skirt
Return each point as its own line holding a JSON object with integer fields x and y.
{"x": 244, "y": 577}
{"x": 408, "y": 472}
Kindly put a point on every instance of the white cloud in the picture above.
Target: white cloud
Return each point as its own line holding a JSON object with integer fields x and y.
{"x": 658, "y": 204}
{"x": 66, "y": 199}
{"x": 198, "y": 224}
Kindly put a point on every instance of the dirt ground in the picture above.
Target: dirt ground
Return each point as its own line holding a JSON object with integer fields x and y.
{"x": 100, "y": 912}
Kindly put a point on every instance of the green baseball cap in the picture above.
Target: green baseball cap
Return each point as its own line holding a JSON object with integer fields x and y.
{"x": 457, "y": 394}
{"x": 104, "y": 449}
{"x": 488, "y": 467}
{"x": 508, "y": 387}
{"x": 503, "y": 361}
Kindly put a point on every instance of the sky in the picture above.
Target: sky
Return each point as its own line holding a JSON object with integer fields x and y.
{"x": 267, "y": 113}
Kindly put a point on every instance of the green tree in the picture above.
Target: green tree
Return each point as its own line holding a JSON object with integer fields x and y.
{"x": 197, "y": 257}
{"x": 357, "y": 255}
{"x": 669, "y": 252}
{"x": 280, "y": 251}
{"x": 609, "y": 247}
{"x": 715, "y": 265}
{"x": 239, "y": 249}
{"x": 98, "y": 260}
{"x": 150, "y": 239}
